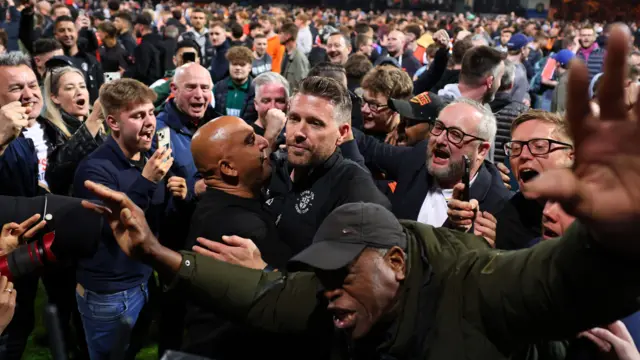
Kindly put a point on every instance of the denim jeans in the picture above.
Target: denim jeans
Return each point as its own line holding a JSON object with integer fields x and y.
{"x": 102, "y": 315}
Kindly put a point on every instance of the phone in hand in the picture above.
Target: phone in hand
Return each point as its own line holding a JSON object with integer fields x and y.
{"x": 164, "y": 138}
{"x": 188, "y": 57}
{"x": 465, "y": 177}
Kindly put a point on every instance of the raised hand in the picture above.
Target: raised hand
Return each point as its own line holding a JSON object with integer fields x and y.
{"x": 13, "y": 118}
{"x": 158, "y": 165}
{"x": 603, "y": 188}
{"x": 178, "y": 187}
{"x": 7, "y": 302}
{"x": 461, "y": 213}
{"x": 13, "y": 234}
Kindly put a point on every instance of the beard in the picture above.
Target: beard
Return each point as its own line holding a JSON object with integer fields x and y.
{"x": 452, "y": 173}
{"x": 490, "y": 95}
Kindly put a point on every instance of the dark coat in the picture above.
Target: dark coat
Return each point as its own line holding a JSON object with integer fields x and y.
{"x": 248, "y": 113}
{"x": 408, "y": 167}
{"x": 505, "y": 111}
{"x": 219, "y": 67}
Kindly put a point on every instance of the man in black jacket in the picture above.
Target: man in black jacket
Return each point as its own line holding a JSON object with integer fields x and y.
{"x": 149, "y": 57}
{"x": 124, "y": 23}
{"x": 427, "y": 173}
{"x": 396, "y": 48}
{"x": 67, "y": 34}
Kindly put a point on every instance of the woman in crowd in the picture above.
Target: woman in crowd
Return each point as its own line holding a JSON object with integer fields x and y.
{"x": 77, "y": 133}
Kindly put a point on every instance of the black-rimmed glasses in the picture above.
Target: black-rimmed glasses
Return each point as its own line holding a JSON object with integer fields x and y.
{"x": 536, "y": 146}
{"x": 454, "y": 135}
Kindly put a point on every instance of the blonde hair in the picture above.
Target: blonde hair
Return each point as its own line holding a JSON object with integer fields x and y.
{"x": 51, "y": 88}
{"x": 561, "y": 131}
{"x": 124, "y": 94}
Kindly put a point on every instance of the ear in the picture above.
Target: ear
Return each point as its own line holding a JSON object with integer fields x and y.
{"x": 227, "y": 168}
{"x": 113, "y": 123}
{"x": 395, "y": 258}
{"x": 175, "y": 61}
{"x": 483, "y": 149}
{"x": 37, "y": 60}
{"x": 572, "y": 156}
{"x": 489, "y": 81}
{"x": 55, "y": 100}
{"x": 344, "y": 130}
{"x": 173, "y": 86}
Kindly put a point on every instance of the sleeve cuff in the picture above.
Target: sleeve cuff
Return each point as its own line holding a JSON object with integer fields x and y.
{"x": 185, "y": 272}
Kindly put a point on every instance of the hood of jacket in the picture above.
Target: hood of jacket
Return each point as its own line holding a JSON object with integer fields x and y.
{"x": 451, "y": 91}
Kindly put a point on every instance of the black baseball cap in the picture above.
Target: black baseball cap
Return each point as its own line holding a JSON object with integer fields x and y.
{"x": 346, "y": 232}
{"x": 423, "y": 107}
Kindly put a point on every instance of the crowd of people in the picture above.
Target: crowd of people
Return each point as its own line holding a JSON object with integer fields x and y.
{"x": 361, "y": 184}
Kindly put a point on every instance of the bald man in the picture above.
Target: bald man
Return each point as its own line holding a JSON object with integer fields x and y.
{"x": 396, "y": 41}
{"x": 234, "y": 162}
{"x": 189, "y": 109}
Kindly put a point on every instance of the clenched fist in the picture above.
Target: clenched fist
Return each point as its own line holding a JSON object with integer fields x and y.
{"x": 178, "y": 187}
{"x": 13, "y": 118}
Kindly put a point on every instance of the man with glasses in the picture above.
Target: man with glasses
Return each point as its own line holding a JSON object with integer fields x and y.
{"x": 540, "y": 142}
{"x": 378, "y": 85}
{"x": 426, "y": 174}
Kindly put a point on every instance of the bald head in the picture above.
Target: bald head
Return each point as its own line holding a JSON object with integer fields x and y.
{"x": 191, "y": 86}
{"x": 395, "y": 42}
{"x": 230, "y": 156}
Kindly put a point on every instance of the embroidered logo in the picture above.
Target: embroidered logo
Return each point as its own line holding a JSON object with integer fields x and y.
{"x": 304, "y": 202}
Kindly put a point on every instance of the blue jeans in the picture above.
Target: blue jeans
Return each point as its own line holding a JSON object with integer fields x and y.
{"x": 102, "y": 315}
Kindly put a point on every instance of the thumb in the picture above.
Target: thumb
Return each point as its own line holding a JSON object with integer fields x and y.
{"x": 474, "y": 204}
{"x": 129, "y": 220}
{"x": 7, "y": 229}
{"x": 457, "y": 191}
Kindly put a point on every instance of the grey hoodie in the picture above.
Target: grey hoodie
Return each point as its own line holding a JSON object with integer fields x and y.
{"x": 450, "y": 92}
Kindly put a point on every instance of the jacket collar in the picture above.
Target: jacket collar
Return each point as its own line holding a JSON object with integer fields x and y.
{"x": 179, "y": 121}
{"x": 112, "y": 145}
{"x": 482, "y": 183}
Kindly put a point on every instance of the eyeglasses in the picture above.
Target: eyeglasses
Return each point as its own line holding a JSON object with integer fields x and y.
{"x": 373, "y": 106}
{"x": 536, "y": 147}
{"x": 454, "y": 135}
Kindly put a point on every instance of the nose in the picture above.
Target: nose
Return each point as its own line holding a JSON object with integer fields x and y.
{"x": 27, "y": 93}
{"x": 262, "y": 142}
{"x": 198, "y": 93}
{"x": 525, "y": 154}
{"x": 332, "y": 295}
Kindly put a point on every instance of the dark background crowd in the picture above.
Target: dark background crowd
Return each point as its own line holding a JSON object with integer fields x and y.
{"x": 405, "y": 95}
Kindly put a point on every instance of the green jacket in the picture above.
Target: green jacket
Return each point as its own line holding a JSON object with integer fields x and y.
{"x": 461, "y": 300}
{"x": 162, "y": 88}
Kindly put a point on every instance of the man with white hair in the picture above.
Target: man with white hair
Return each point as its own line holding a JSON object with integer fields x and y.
{"x": 272, "y": 92}
{"x": 427, "y": 172}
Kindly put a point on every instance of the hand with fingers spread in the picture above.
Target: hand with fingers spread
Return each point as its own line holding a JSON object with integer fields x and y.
{"x": 14, "y": 234}
{"x": 13, "y": 118}
{"x": 616, "y": 338}
{"x": 461, "y": 213}
{"x": 158, "y": 165}
{"x": 237, "y": 250}
{"x": 178, "y": 187}
{"x": 602, "y": 188}
{"x": 7, "y": 302}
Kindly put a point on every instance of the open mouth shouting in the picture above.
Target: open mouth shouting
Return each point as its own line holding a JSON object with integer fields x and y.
{"x": 146, "y": 135}
{"x": 547, "y": 233}
{"x": 440, "y": 156}
{"x": 197, "y": 107}
{"x": 527, "y": 174}
{"x": 343, "y": 319}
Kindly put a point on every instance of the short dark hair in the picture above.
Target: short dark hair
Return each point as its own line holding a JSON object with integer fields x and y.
{"x": 362, "y": 27}
{"x": 413, "y": 29}
{"x": 176, "y": 14}
{"x": 290, "y": 29}
{"x": 329, "y": 89}
{"x": 362, "y": 39}
{"x": 108, "y": 28}
{"x": 198, "y": 10}
{"x": 254, "y": 25}
{"x": 62, "y": 19}
{"x": 188, "y": 44}
{"x": 460, "y": 48}
{"x": 479, "y": 63}
{"x": 114, "y": 5}
{"x": 357, "y": 66}
{"x": 125, "y": 16}
{"x": 329, "y": 70}
{"x": 236, "y": 30}
{"x": 45, "y": 45}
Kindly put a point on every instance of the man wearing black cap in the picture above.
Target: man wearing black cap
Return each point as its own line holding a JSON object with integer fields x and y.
{"x": 149, "y": 58}
{"x": 426, "y": 173}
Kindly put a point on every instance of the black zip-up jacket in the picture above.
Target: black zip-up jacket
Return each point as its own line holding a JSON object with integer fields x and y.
{"x": 505, "y": 110}
{"x": 299, "y": 208}
{"x": 68, "y": 152}
{"x": 93, "y": 73}
{"x": 149, "y": 60}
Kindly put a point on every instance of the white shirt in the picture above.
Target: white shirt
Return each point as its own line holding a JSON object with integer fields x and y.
{"x": 434, "y": 207}
{"x": 36, "y": 134}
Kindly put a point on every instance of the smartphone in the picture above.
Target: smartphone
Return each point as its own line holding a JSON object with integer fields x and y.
{"x": 465, "y": 178}
{"x": 164, "y": 138}
{"x": 188, "y": 57}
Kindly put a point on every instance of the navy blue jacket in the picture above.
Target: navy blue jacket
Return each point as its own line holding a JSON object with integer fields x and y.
{"x": 219, "y": 68}
{"x": 110, "y": 270}
{"x": 408, "y": 167}
{"x": 19, "y": 169}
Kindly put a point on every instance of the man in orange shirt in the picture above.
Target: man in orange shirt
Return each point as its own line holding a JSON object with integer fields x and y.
{"x": 274, "y": 48}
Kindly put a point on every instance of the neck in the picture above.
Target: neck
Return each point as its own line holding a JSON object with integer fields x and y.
{"x": 110, "y": 42}
{"x": 72, "y": 51}
{"x": 396, "y": 54}
{"x": 514, "y": 58}
{"x": 258, "y": 56}
{"x": 131, "y": 154}
{"x": 239, "y": 82}
{"x": 473, "y": 93}
{"x": 42, "y": 71}
{"x": 235, "y": 190}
